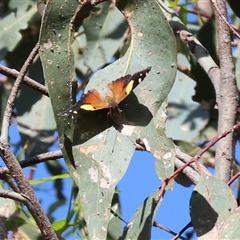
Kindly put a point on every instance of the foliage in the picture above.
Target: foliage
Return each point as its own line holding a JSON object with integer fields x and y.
{"x": 97, "y": 43}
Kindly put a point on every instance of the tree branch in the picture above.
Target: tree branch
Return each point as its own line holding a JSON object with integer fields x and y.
{"x": 26, "y": 190}
{"x": 12, "y": 73}
{"x": 194, "y": 46}
{"x": 44, "y": 157}
{"x": 160, "y": 226}
{"x": 227, "y": 103}
{"x": 10, "y": 103}
{"x": 41, "y": 158}
{"x": 222, "y": 79}
{"x": 12, "y": 163}
{"x": 15, "y": 196}
{"x": 191, "y": 171}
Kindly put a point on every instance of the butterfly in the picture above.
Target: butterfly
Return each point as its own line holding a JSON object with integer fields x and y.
{"x": 118, "y": 90}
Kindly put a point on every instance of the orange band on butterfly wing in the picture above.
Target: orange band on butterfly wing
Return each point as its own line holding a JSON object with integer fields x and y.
{"x": 119, "y": 88}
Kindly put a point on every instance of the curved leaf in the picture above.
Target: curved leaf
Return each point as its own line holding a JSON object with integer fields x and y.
{"x": 230, "y": 226}
{"x": 102, "y": 153}
{"x": 140, "y": 225}
{"x": 12, "y": 24}
{"x": 102, "y": 157}
{"x": 57, "y": 59}
{"x": 104, "y": 30}
{"x": 211, "y": 202}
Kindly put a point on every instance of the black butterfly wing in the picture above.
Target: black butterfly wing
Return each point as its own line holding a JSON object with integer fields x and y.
{"x": 90, "y": 101}
{"x": 122, "y": 87}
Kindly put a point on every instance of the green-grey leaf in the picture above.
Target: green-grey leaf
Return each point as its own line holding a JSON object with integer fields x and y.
{"x": 56, "y": 38}
{"x": 104, "y": 32}
{"x": 211, "y": 202}
{"x": 102, "y": 157}
{"x": 230, "y": 226}
{"x": 12, "y": 24}
{"x": 140, "y": 225}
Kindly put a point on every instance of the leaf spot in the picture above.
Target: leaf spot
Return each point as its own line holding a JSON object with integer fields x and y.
{"x": 48, "y": 44}
{"x": 87, "y": 150}
{"x": 104, "y": 183}
{"x": 93, "y": 174}
{"x": 167, "y": 155}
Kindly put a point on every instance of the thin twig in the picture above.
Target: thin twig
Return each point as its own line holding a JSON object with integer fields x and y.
{"x": 3, "y": 172}
{"x": 223, "y": 16}
{"x": 158, "y": 225}
{"x": 13, "y": 94}
{"x": 44, "y": 157}
{"x": 202, "y": 14}
{"x": 41, "y": 158}
{"x": 12, "y": 73}
{"x": 182, "y": 231}
{"x": 205, "y": 15}
{"x": 10, "y": 182}
{"x": 191, "y": 171}
{"x": 14, "y": 196}
{"x": 185, "y": 70}
{"x": 233, "y": 178}
{"x": 195, "y": 160}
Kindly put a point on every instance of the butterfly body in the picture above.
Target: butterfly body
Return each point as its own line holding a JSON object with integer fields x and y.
{"x": 117, "y": 91}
